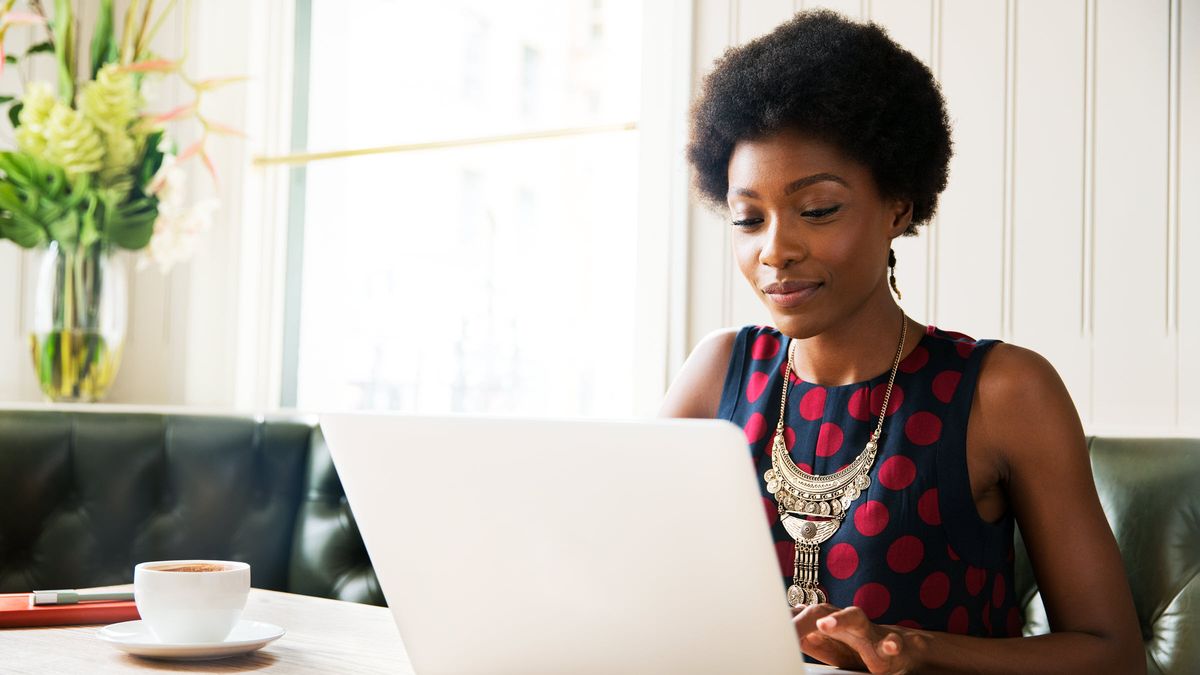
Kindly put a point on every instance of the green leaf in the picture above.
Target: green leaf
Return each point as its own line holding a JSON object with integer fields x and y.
{"x": 88, "y": 232}
{"x": 46, "y": 47}
{"x": 152, "y": 159}
{"x": 6, "y": 99}
{"x": 132, "y": 233}
{"x": 65, "y": 230}
{"x": 9, "y": 58}
{"x": 64, "y": 39}
{"x": 104, "y": 47}
{"x": 13, "y": 114}
{"x": 22, "y": 234}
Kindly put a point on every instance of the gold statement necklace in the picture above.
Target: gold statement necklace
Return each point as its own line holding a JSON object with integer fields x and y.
{"x": 801, "y": 495}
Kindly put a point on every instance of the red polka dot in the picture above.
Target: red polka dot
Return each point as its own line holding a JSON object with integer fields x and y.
{"x": 789, "y": 438}
{"x": 843, "y": 560}
{"x": 772, "y": 510}
{"x": 958, "y": 621}
{"x": 998, "y": 591}
{"x": 756, "y": 427}
{"x": 927, "y": 507}
{"x": 923, "y": 428}
{"x": 812, "y": 404}
{"x": 909, "y": 623}
{"x": 1014, "y": 622}
{"x": 950, "y": 552}
{"x": 786, "y": 552}
{"x": 987, "y": 618}
{"x": 905, "y": 554}
{"x": 873, "y": 599}
{"x": 871, "y": 517}
{"x": 976, "y": 578}
{"x": 860, "y": 405}
{"x": 897, "y": 472}
{"x": 756, "y": 385}
{"x": 803, "y": 466}
{"x": 915, "y": 360}
{"x": 945, "y": 383}
{"x": 965, "y": 348}
{"x": 829, "y": 440}
{"x": 894, "y": 400}
{"x": 765, "y": 347}
{"x": 935, "y": 589}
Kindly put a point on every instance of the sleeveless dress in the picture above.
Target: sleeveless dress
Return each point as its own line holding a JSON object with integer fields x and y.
{"x": 912, "y": 549}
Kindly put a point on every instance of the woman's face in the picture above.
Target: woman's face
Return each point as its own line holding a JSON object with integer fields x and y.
{"x": 810, "y": 231}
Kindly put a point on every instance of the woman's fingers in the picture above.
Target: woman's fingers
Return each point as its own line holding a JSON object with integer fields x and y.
{"x": 819, "y": 645}
{"x": 879, "y": 650}
{"x": 805, "y": 618}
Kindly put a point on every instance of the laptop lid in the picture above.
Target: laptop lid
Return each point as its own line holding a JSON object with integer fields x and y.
{"x": 554, "y": 546}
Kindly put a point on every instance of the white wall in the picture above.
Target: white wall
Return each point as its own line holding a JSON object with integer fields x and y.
{"x": 1071, "y": 224}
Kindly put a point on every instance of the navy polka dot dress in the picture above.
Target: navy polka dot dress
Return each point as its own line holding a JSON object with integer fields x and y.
{"x": 912, "y": 549}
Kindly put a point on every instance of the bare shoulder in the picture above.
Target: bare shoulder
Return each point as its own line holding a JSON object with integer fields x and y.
{"x": 1024, "y": 405}
{"x": 696, "y": 390}
{"x": 1015, "y": 378}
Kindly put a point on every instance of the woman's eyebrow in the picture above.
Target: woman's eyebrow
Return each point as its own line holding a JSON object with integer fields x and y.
{"x": 795, "y": 185}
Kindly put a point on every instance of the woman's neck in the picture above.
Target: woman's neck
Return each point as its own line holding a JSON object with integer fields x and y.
{"x": 858, "y": 348}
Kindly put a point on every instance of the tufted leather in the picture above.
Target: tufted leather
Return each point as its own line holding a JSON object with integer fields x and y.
{"x": 85, "y": 496}
{"x": 1150, "y": 491}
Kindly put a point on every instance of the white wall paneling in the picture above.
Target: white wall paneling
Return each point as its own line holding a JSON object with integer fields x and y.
{"x": 1186, "y": 17}
{"x": 970, "y": 252}
{"x": 1134, "y": 364}
{"x": 1050, "y": 127}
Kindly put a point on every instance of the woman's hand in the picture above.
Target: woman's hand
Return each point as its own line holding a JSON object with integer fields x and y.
{"x": 846, "y": 638}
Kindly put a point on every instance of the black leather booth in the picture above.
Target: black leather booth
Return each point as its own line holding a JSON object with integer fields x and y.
{"x": 85, "y": 495}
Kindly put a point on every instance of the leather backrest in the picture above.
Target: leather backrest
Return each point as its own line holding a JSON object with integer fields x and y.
{"x": 1150, "y": 491}
{"x": 84, "y": 496}
{"x": 328, "y": 556}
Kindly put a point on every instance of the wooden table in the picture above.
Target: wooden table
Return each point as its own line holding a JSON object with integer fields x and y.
{"x": 323, "y": 636}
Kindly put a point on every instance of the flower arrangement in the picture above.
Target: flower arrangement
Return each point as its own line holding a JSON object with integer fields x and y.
{"x": 91, "y": 166}
{"x": 92, "y": 172}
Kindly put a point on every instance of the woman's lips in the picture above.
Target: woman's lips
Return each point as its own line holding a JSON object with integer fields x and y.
{"x": 794, "y": 297}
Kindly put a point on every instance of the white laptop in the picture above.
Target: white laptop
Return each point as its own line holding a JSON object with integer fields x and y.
{"x": 507, "y": 545}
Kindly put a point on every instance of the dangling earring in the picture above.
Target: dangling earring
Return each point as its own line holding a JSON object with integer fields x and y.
{"x": 892, "y": 264}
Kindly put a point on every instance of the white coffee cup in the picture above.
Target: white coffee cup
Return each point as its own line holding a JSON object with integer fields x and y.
{"x": 191, "y": 601}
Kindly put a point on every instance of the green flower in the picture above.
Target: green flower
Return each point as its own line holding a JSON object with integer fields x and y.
{"x": 35, "y": 112}
{"x": 72, "y": 141}
{"x": 121, "y": 152}
{"x": 111, "y": 101}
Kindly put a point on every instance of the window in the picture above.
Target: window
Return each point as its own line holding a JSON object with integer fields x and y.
{"x": 480, "y": 274}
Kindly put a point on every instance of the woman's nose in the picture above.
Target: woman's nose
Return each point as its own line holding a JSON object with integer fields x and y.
{"x": 779, "y": 248}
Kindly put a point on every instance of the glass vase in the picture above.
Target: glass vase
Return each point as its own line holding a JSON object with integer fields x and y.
{"x": 79, "y": 307}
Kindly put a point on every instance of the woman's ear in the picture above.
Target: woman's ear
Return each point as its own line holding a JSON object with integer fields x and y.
{"x": 901, "y": 212}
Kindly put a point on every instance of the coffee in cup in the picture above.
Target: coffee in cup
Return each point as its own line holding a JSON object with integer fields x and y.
{"x": 191, "y": 601}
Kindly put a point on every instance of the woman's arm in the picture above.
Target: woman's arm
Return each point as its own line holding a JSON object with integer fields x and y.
{"x": 696, "y": 391}
{"x": 1031, "y": 425}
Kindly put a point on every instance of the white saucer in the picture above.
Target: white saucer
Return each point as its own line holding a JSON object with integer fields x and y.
{"x": 135, "y": 638}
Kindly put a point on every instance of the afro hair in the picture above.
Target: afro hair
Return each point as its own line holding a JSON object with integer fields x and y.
{"x": 843, "y": 82}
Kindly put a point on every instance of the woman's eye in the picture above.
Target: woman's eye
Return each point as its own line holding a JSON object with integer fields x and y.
{"x": 747, "y": 222}
{"x": 821, "y": 213}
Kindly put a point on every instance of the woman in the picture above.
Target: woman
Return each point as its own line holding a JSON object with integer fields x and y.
{"x": 903, "y": 453}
